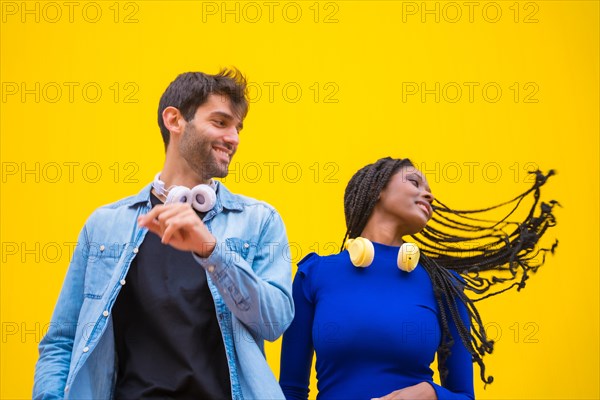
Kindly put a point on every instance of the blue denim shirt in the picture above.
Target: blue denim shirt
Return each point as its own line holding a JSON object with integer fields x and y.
{"x": 249, "y": 276}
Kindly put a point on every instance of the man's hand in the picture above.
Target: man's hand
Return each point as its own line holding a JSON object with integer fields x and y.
{"x": 179, "y": 226}
{"x": 420, "y": 391}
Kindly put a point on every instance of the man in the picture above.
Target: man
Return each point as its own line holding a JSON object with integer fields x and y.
{"x": 181, "y": 312}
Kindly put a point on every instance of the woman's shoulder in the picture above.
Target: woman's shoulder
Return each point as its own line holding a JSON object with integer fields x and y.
{"x": 313, "y": 262}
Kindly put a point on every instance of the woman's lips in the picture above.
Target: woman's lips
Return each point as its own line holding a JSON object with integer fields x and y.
{"x": 425, "y": 207}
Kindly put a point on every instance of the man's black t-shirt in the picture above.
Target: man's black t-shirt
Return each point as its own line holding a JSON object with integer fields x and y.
{"x": 167, "y": 337}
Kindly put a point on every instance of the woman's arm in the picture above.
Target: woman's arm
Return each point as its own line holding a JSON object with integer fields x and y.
{"x": 297, "y": 348}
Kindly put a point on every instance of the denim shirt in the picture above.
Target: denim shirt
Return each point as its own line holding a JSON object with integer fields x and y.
{"x": 249, "y": 276}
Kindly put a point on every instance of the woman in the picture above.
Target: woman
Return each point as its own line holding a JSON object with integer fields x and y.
{"x": 376, "y": 330}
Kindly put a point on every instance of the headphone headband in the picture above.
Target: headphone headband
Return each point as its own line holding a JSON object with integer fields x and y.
{"x": 202, "y": 197}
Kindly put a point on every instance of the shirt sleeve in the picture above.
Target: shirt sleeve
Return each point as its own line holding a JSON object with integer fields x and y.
{"x": 259, "y": 295}
{"x": 297, "y": 349}
{"x": 56, "y": 347}
{"x": 459, "y": 382}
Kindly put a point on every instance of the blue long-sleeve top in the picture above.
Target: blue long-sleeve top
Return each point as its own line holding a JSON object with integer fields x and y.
{"x": 374, "y": 330}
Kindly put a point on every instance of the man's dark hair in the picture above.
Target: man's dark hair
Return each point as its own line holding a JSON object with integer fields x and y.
{"x": 191, "y": 89}
{"x": 486, "y": 252}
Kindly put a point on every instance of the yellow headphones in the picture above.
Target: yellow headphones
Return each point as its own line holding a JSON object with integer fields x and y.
{"x": 362, "y": 253}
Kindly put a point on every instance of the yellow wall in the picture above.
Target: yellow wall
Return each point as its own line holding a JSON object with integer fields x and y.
{"x": 475, "y": 93}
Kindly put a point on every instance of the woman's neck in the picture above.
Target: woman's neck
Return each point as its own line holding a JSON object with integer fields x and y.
{"x": 382, "y": 232}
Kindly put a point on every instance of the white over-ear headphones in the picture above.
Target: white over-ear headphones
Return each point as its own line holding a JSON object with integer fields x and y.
{"x": 362, "y": 253}
{"x": 202, "y": 197}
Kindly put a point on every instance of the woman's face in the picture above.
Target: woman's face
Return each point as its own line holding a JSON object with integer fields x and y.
{"x": 407, "y": 198}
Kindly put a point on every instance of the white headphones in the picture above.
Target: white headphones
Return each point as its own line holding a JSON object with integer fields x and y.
{"x": 202, "y": 197}
{"x": 362, "y": 253}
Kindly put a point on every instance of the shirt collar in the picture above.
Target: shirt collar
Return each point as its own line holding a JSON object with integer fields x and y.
{"x": 227, "y": 199}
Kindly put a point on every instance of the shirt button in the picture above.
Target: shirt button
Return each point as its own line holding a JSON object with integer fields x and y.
{"x": 135, "y": 251}
{"x": 102, "y": 248}
{"x": 246, "y": 245}
{"x": 86, "y": 349}
{"x": 211, "y": 268}
{"x": 122, "y": 282}
{"x": 105, "y": 313}
{"x": 67, "y": 388}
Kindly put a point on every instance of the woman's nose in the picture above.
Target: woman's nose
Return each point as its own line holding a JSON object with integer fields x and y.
{"x": 429, "y": 196}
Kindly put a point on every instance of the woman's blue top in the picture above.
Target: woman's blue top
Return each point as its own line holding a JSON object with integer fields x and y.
{"x": 374, "y": 330}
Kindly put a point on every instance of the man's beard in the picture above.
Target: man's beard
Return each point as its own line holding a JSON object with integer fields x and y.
{"x": 197, "y": 150}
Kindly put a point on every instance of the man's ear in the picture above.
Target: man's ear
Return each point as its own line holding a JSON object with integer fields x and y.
{"x": 173, "y": 121}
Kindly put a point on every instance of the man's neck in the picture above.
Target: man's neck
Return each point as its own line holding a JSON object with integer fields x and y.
{"x": 174, "y": 174}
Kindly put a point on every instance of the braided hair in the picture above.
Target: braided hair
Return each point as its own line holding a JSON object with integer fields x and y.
{"x": 457, "y": 241}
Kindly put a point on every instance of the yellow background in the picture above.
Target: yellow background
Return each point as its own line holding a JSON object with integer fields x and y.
{"x": 354, "y": 62}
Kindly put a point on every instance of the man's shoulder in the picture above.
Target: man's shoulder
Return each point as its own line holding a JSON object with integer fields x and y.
{"x": 233, "y": 200}
{"x": 248, "y": 201}
{"x": 123, "y": 205}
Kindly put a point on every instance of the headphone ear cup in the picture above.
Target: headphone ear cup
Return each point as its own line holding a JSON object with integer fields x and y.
{"x": 179, "y": 194}
{"x": 408, "y": 257}
{"x": 361, "y": 251}
{"x": 203, "y": 198}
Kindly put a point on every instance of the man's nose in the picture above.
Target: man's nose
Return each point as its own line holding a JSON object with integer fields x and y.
{"x": 232, "y": 137}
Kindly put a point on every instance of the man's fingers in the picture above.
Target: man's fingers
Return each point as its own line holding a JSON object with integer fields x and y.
{"x": 152, "y": 214}
{"x": 152, "y": 225}
{"x": 179, "y": 226}
{"x": 162, "y": 213}
{"x": 168, "y": 233}
{"x": 168, "y": 213}
{"x": 175, "y": 226}
{"x": 166, "y": 237}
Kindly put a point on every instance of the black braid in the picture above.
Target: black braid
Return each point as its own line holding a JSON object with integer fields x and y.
{"x": 358, "y": 198}
{"x": 456, "y": 241}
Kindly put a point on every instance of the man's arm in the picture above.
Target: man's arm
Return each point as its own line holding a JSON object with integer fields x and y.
{"x": 259, "y": 295}
{"x": 56, "y": 347}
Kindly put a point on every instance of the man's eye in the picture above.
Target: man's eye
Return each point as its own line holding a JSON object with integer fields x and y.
{"x": 415, "y": 182}
{"x": 220, "y": 122}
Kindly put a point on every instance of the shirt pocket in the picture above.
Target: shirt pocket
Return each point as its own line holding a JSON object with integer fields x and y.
{"x": 245, "y": 249}
{"x": 102, "y": 261}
